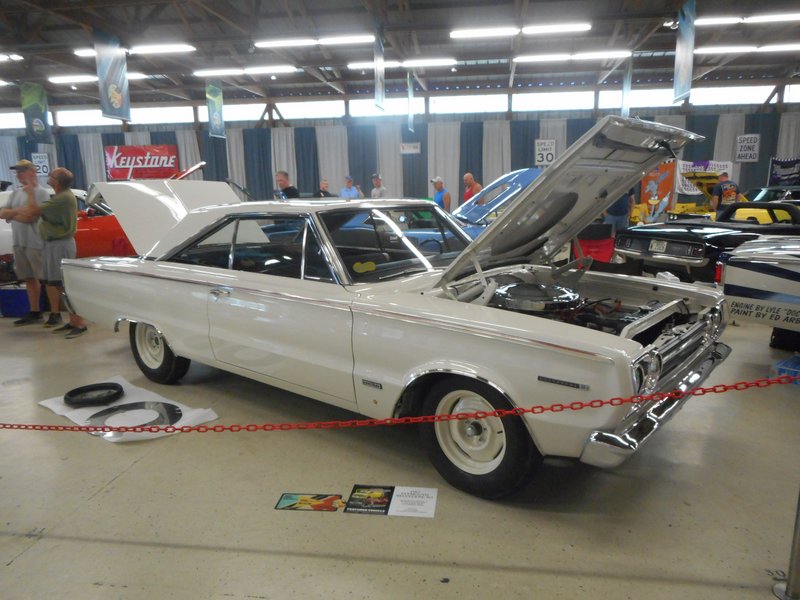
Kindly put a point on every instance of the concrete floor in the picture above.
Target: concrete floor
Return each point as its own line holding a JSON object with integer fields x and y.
{"x": 705, "y": 511}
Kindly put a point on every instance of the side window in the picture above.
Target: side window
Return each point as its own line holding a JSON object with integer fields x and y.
{"x": 213, "y": 250}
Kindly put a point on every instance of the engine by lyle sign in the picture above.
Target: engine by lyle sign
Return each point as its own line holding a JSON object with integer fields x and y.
{"x": 141, "y": 162}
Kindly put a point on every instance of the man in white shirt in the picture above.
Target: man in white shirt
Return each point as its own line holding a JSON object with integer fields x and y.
{"x": 378, "y": 191}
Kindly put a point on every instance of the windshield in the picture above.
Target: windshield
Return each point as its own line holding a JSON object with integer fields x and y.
{"x": 376, "y": 244}
{"x": 490, "y": 202}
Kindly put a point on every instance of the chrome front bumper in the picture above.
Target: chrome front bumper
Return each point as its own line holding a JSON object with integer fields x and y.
{"x": 604, "y": 449}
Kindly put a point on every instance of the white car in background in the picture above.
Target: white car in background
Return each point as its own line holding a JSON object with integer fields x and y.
{"x": 386, "y": 308}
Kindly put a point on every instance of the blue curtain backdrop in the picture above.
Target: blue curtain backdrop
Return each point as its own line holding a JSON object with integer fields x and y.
{"x": 523, "y": 136}
{"x": 25, "y": 148}
{"x": 471, "y": 160}
{"x": 166, "y": 138}
{"x": 577, "y": 127}
{"x": 755, "y": 174}
{"x": 214, "y": 151}
{"x": 305, "y": 153}
{"x": 362, "y": 153}
{"x": 68, "y": 154}
{"x": 113, "y": 139}
{"x": 704, "y": 125}
{"x": 415, "y": 166}
{"x": 257, "y": 153}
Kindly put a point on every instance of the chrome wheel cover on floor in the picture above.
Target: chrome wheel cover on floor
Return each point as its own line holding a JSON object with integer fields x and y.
{"x": 150, "y": 345}
{"x": 476, "y": 446}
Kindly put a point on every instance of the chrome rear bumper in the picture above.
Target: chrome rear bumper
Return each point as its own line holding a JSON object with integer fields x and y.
{"x": 604, "y": 449}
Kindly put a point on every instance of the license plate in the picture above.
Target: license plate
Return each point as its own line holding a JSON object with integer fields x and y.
{"x": 658, "y": 245}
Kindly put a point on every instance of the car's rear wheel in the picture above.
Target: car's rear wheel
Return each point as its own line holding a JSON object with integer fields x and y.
{"x": 154, "y": 356}
{"x": 489, "y": 457}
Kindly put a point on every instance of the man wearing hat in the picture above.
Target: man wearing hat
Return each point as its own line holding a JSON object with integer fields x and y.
{"x": 350, "y": 191}
{"x": 378, "y": 191}
{"x": 25, "y": 237}
{"x": 441, "y": 196}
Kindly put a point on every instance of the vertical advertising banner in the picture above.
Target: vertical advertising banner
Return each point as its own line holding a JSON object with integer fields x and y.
{"x": 216, "y": 124}
{"x": 112, "y": 75}
{"x": 684, "y": 53}
{"x": 380, "y": 72}
{"x": 627, "y": 85}
{"x": 410, "y": 84}
{"x": 34, "y": 107}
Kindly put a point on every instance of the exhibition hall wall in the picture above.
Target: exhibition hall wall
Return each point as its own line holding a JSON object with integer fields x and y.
{"x": 448, "y": 148}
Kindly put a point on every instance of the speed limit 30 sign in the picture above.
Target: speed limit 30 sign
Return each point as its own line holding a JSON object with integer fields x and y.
{"x": 545, "y": 152}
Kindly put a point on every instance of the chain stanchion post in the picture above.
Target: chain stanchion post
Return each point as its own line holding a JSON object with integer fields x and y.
{"x": 790, "y": 589}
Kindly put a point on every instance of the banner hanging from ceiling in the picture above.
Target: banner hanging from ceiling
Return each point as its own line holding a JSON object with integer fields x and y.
{"x": 216, "y": 124}
{"x": 379, "y": 71}
{"x": 34, "y": 107}
{"x": 684, "y": 52}
{"x": 784, "y": 172}
{"x": 141, "y": 162}
{"x": 112, "y": 76}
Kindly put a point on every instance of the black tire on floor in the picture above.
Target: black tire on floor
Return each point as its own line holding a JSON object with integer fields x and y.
{"x": 96, "y": 394}
{"x": 154, "y": 356}
{"x": 491, "y": 457}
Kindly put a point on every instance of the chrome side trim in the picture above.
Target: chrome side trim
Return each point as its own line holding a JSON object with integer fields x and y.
{"x": 610, "y": 449}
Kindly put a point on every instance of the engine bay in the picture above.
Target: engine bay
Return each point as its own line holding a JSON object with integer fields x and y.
{"x": 558, "y": 295}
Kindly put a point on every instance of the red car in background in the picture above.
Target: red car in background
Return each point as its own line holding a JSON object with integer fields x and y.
{"x": 99, "y": 234}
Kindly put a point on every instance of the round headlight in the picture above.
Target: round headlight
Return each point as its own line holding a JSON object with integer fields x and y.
{"x": 651, "y": 374}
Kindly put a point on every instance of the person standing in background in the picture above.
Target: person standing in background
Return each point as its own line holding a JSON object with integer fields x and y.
{"x": 724, "y": 193}
{"x": 58, "y": 221}
{"x": 287, "y": 189}
{"x": 27, "y": 244}
{"x": 441, "y": 197}
{"x": 350, "y": 191}
{"x": 618, "y": 214}
{"x": 323, "y": 189}
{"x": 471, "y": 187}
{"x": 378, "y": 191}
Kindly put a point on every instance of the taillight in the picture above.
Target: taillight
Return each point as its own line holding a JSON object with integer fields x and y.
{"x": 719, "y": 272}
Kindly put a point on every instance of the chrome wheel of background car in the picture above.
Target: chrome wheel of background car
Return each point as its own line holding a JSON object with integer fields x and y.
{"x": 154, "y": 356}
{"x": 489, "y": 457}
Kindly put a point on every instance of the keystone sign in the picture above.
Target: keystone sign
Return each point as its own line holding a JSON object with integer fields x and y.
{"x": 141, "y": 162}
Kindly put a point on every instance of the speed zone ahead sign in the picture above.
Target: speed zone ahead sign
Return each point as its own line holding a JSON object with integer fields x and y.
{"x": 545, "y": 153}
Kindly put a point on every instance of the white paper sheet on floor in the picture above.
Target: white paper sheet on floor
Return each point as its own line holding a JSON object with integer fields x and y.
{"x": 130, "y": 418}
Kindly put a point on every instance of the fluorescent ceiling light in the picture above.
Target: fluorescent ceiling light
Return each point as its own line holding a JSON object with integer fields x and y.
{"x": 772, "y": 18}
{"x": 602, "y": 54}
{"x": 72, "y": 79}
{"x": 161, "y": 49}
{"x": 134, "y": 75}
{"x": 269, "y": 69}
{"x": 486, "y": 32}
{"x": 360, "y": 66}
{"x": 84, "y": 52}
{"x": 218, "y": 72}
{"x": 286, "y": 43}
{"x": 779, "y": 48}
{"x": 346, "y": 39}
{"x": 8, "y": 57}
{"x": 725, "y": 49}
{"x": 708, "y": 21}
{"x": 542, "y": 58}
{"x": 555, "y": 28}
{"x": 4, "y": 83}
{"x": 429, "y": 62}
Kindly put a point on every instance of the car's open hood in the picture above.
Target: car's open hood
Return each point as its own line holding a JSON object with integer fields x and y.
{"x": 593, "y": 173}
{"x": 148, "y": 209}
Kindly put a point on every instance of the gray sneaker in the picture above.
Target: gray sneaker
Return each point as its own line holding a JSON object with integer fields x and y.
{"x": 76, "y": 332}
{"x": 54, "y": 320}
{"x": 31, "y": 317}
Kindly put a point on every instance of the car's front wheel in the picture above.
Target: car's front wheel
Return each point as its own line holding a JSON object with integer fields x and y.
{"x": 488, "y": 457}
{"x": 154, "y": 357}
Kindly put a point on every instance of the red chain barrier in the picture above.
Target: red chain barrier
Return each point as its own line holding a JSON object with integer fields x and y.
{"x": 536, "y": 410}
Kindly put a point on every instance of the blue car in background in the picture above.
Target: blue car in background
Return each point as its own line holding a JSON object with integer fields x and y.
{"x": 483, "y": 208}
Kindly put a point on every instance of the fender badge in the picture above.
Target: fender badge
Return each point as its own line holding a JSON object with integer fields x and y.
{"x": 373, "y": 384}
{"x": 572, "y": 384}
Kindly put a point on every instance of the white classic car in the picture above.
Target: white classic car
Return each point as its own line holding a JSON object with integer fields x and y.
{"x": 386, "y": 308}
